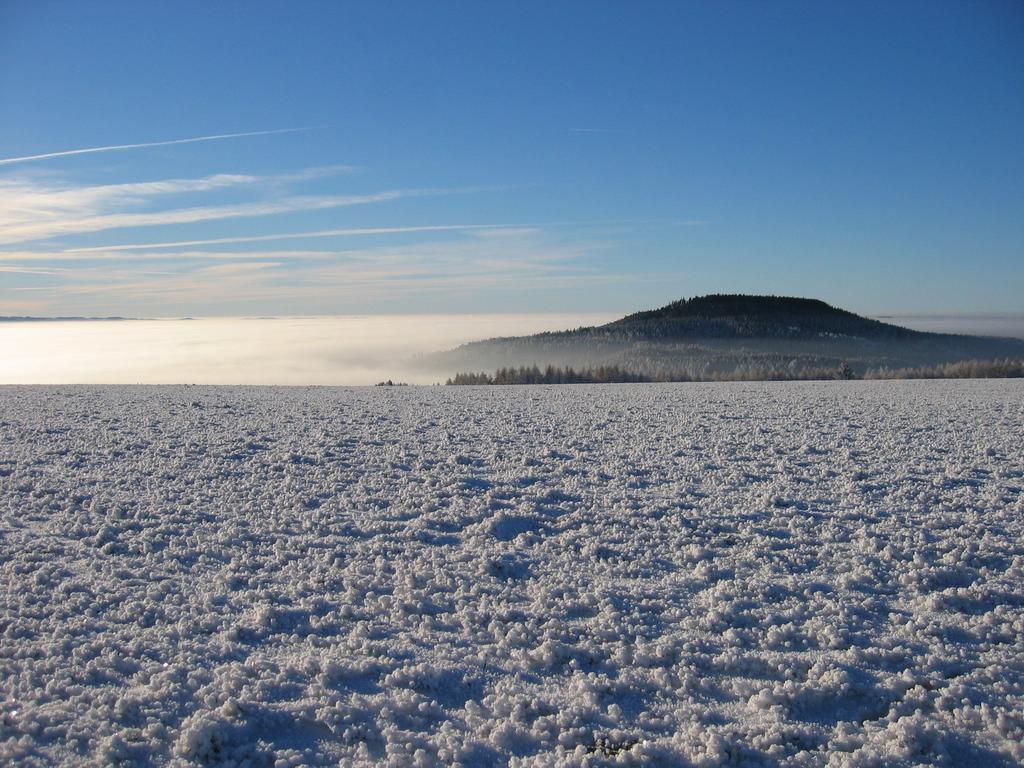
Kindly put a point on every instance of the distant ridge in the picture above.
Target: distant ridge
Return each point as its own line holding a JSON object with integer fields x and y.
{"x": 29, "y": 319}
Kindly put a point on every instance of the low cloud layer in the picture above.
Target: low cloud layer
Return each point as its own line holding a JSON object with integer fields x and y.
{"x": 293, "y": 351}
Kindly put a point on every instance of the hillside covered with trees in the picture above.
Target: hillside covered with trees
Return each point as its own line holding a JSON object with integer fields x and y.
{"x": 739, "y": 316}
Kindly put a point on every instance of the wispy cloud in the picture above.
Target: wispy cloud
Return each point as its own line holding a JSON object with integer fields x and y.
{"x": 34, "y": 210}
{"x": 17, "y": 257}
{"x": 170, "y": 251}
{"x": 30, "y": 270}
{"x": 155, "y": 274}
{"x": 144, "y": 145}
{"x": 596, "y": 130}
{"x": 45, "y": 229}
{"x": 481, "y": 230}
{"x": 348, "y": 232}
{"x": 26, "y": 200}
{"x": 522, "y": 259}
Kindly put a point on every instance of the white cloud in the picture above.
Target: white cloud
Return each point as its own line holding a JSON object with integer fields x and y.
{"x": 32, "y": 210}
{"x": 29, "y": 200}
{"x": 450, "y": 262}
{"x": 42, "y": 229}
{"x": 30, "y": 270}
{"x": 252, "y": 280}
{"x": 141, "y": 256}
{"x": 349, "y": 232}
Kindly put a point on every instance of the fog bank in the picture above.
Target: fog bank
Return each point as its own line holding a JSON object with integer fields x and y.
{"x": 1010, "y": 325}
{"x": 351, "y": 350}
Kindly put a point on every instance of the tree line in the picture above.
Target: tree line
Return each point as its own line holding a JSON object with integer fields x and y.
{"x": 602, "y": 374}
{"x": 1007, "y": 368}
{"x": 614, "y": 374}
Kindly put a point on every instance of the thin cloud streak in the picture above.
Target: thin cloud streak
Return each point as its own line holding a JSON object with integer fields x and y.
{"x": 26, "y": 204}
{"x": 245, "y": 281}
{"x": 153, "y": 251}
{"x": 484, "y": 230}
{"x": 25, "y": 198}
{"x": 135, "y": 256}
{"x": 144, "y": 145}
{"x": 39, "y": 230}
{"x": 296, "y": 236}
{"x": 31, "y": 270}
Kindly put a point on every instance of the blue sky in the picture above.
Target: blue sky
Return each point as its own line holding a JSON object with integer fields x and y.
{"x": 527, "y": 156}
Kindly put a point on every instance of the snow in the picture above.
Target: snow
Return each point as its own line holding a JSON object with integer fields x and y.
{"x": 797, "y": 574}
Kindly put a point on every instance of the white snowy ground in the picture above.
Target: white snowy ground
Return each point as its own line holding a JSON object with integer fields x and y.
{"x": 747, "y": 574}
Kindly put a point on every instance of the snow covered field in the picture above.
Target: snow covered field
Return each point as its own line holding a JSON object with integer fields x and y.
{"x": 749, "y": 574}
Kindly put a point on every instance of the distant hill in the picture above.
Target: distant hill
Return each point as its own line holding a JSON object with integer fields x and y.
{"x": 736, "y": 316}
{"x": 733, "y": 335}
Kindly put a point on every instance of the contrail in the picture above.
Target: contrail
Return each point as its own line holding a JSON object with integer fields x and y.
{"x": 116, "y": 147}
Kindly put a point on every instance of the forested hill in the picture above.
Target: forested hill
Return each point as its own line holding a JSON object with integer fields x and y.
{"x": 735, "y": 316}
